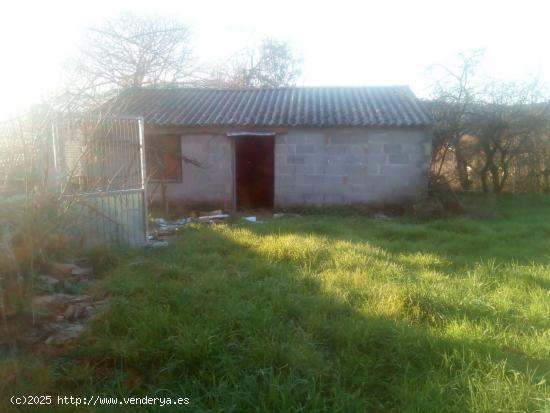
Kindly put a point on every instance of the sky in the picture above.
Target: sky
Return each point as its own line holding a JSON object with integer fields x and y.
{"x": 341, "y": 42}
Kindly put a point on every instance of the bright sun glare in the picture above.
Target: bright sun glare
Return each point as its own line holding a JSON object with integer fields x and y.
{"x": 350, "y": 42}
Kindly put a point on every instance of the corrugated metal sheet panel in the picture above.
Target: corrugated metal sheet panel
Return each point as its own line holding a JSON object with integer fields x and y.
{"x": 293, "y": 106}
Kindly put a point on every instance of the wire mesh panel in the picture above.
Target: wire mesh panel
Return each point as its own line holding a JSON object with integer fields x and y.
{"x": 100, "y": 172}
{"x": 23, "y": 155}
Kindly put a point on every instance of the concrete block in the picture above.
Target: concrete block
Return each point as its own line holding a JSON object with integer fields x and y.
{"x": 285, "y": 149}
{"x": 413, "y": 148}
{"x": 285, "y": 169}
{"x": 351, "y": 139}
{"x": 295, "y": 159}
{"x": 353, "y": 159}
{"x": 378, "y": 138}
{"x": 335, "y": 149}
{"x": 393, "y": 148}
{"x": 356, "y": 170}
{"x": 358, "y": 179}
{"x": 375, "y": 147}
{"x": 377, "y": 158}
{"x": 398, "y": 159}
{"x": 374, "y": 168}
{"x": 296, "y": 138}
{"x": 417, "y": 157}
{"x": 309, "y": 179}
{"x": 336, "y": 169}
{"x": 305, "y": 149}
{"x": 307, "y": 169}
{"x": 285, "y": 180}
{"x": 375, "y": 182}
{"x": 315, "y": 139}
{"x": 427, "y": 148}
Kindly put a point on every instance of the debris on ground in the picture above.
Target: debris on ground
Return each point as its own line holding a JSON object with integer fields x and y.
{"x": 163, "y": 229}
{"x": 58, "y": 317}
{"x": 155, "y": 243}
{"x": 285, "y": 215}
{"x": 216, "y": 218}
{"x": 81, "y": 271}
{"x": 380, "y": 216}
{"x": 47, "y": 282}
{"x": 62, "y": 269}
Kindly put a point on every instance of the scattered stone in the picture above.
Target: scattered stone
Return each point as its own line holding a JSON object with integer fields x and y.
{"x": 48, "y": 281}
{"x": 213, "y": 218}
{"x": 51, "y": 300}
{"x": 64, "y": 333}
{"x": 80, "y": 271}
{"x": 98, "y": 308}
{"x": 285, "y": 215}
{"x": 156, "y": 244}
{"x": 62, "y": 270}
{"x": 167, "y": 230}
{"x": 137, "y": 263}
{"x": 160, "y": 221}
{"x": 76, "y": 311}
{"x": 215, "y": 212}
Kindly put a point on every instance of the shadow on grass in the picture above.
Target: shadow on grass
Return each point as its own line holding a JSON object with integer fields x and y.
{"x": 236, "y": 327}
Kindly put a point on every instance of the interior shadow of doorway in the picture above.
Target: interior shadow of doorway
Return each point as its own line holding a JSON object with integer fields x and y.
{"x": 254, "y": 172}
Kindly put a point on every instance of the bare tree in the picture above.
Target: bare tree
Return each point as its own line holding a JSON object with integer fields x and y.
{"x": 506, "y": 124}
{"x": 130, "y": 51}
{"x": 272, "y": 64}
{"x": 453, "y": 97}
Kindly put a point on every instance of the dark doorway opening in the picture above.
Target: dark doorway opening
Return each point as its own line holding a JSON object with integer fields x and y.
{"x": 254, "y": 172}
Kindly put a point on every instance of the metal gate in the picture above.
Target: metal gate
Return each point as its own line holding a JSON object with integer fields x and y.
{"x": 100, "y": 170}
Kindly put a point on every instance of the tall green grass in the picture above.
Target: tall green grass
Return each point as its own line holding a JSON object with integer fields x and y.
{"x": 328, "y": 313}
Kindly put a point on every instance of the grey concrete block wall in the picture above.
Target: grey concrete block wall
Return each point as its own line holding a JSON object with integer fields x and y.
{"x": 330, "y": 167}
{"x": 211, "y": 183}
{"x": 313, "y": 167}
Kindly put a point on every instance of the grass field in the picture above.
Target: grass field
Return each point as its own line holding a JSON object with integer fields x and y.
{"x": 326, "y": 313}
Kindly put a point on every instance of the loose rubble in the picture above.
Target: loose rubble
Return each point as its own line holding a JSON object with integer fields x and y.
{"x": 162, "y": 229}
{"x": 58, "y": 318}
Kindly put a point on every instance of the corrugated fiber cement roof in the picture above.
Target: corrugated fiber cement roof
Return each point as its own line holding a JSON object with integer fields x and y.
{"x": 276, "y": 107}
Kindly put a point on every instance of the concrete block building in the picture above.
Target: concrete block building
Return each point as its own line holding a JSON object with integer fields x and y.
{"x": 283, "y": 147}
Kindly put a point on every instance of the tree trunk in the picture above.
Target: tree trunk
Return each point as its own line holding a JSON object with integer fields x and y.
{"x": 462, "y": 170}
{"x": 483, "y": 176}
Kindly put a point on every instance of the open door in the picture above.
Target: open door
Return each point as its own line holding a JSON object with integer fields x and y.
{"x": 254, "y": 172}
